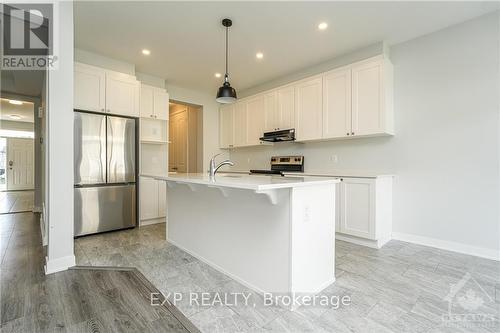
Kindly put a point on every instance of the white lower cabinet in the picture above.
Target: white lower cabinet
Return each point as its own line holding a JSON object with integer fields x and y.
{"x": 152, "y": 199}
{"x": 365, "y": 210}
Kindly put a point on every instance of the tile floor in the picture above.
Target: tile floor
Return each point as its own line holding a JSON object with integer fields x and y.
{"x": 399, "y": 288}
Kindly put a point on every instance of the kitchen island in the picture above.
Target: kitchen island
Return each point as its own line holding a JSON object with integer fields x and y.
{"x": 271, "y": 233}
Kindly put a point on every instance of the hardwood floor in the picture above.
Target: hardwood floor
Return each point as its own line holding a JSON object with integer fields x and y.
{"x": 16, "y": 202}
{"x": 87, "y": 299}
{"x": 400, "y": 288}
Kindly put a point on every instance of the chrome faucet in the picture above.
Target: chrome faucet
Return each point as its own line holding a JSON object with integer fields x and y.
{"x": 213, "y": 169}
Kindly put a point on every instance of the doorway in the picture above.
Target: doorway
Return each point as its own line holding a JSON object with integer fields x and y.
{"x": 186, "y": 138}
{"x": 17, "y": 156}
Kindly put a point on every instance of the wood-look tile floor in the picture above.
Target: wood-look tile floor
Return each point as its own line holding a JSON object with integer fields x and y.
{"x": 16, "y": 201}
{"x": 78, "y": 300}
{"x": 399, "y": 288}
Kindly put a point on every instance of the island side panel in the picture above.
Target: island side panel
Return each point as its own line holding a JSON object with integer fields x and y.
{"x": 241, "y": 234}
{"x": 313, "y": 238}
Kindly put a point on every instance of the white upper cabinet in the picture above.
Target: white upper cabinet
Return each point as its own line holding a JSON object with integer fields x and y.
{"x": 255, "y": 119}
{"x": 286, "y": 108}
{"x": 372, "y": 97}
{"x": 240, "y": 124}
{"x": 154, "y": 102}
{"x": 160, "y": 104}
{"x": 100, "y": 90}
{"x": 337, "y": 103}
{"x": 122, "y": 94}
{"x": 147, "y": 95}
{"x": 89, "y": 88}
{"x": 271, "y": 118}
{"x": 226, "y": 126}
{"x": 308, "y": 109}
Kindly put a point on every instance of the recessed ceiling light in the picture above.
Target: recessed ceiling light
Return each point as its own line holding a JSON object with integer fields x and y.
{"x": 13, "y": 101}
{"x": 259, "y": 55}
{"x": 322, "y": 26}
{"x": 218, "y": 75}
{"x": 146, "y": 52}
{"x": 14, "y": 116}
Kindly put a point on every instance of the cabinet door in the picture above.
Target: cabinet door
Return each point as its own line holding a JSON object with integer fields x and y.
{"x": 89, "y": 88}
{"x": 160, "y": 104}
{"x": 147, "y": 93}
{"x": 162, "y": 199}
{"x": 271, "y": 111}
{"x": 337, "y": 104}
{"x": 226, "y": 126}
{"x": 148, "y": 198}
{"x": 309, "y": 109}
{"x": 122, "y": 94}
{"x": 357, "y": 207}
{"x": 240, "y": 124}
{"x": 255, "y": 120}
{"x": 286, "y": 108}
{"x": 367, "y": 98}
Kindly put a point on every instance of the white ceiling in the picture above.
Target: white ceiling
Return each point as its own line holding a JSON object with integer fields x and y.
{"x": 25, "y": 111}
{"x": 186, "y": 39}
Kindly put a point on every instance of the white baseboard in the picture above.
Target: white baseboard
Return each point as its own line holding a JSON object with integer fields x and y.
{"x": 375, "y": 244}
{"x": 59, "y": 264}
{"x": 449, "y": 246}
{"x": 142, "y": 223}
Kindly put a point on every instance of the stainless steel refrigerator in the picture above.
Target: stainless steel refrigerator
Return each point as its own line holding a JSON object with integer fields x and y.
{"x": 105, "y": 173}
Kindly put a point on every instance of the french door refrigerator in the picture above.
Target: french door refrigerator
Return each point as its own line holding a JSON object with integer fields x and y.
{"x": 105, "y": 173}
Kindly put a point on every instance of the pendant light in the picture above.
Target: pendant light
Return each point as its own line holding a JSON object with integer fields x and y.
{"x": 226, "y": 94}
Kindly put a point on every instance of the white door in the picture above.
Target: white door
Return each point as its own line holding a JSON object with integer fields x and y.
{"x": 148, "y": 198}
{"x": 367, "y": 98}
{"x": 89, "y": 88}
{"x": 309, "y": 109}
{"x": 146, "y": 110}
{"x": 271, "y": 111}
{"x": 240, "y": 124}
{"x": 20, "y": 164}
{"x": 255, "y": 119}
{"x": 122, "y": 94}
{"x": 286, "y": 108}
{"x": 160, "y": 104}
{"x": 357, "y": 207}
{"x": 337, "y": 104}
{"x": 177, "y": 153}
{"x": 162, "y": 199}
{"x": 226, "y": 126}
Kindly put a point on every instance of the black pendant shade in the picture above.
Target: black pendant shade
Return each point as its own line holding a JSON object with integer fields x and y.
{"x": 226, "y": 94}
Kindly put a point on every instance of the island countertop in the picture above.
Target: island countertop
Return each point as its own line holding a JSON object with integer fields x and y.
{"x": 241, "y": 181}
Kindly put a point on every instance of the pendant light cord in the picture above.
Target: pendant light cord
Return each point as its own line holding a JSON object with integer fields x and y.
{"x": 227, "y": 53}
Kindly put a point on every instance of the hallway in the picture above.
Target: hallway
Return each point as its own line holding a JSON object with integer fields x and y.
{"x": 16, "y": 201}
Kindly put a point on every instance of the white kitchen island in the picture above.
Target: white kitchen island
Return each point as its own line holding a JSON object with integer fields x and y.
{"x": 271, "y": 233}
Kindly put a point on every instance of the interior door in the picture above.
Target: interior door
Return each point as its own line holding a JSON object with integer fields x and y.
{"x": 120, "y": 150}
{"x": 178, "y": 136}
{"x": 20, "y": 165}
{"x": 89, "y": 148}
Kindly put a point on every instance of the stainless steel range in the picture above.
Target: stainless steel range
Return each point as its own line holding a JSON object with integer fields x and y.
{"x": 280, "y": 164}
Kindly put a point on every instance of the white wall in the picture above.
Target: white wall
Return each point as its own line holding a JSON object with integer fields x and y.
{"x": 60, "y": 254}
{"x": 446, "y": 149}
